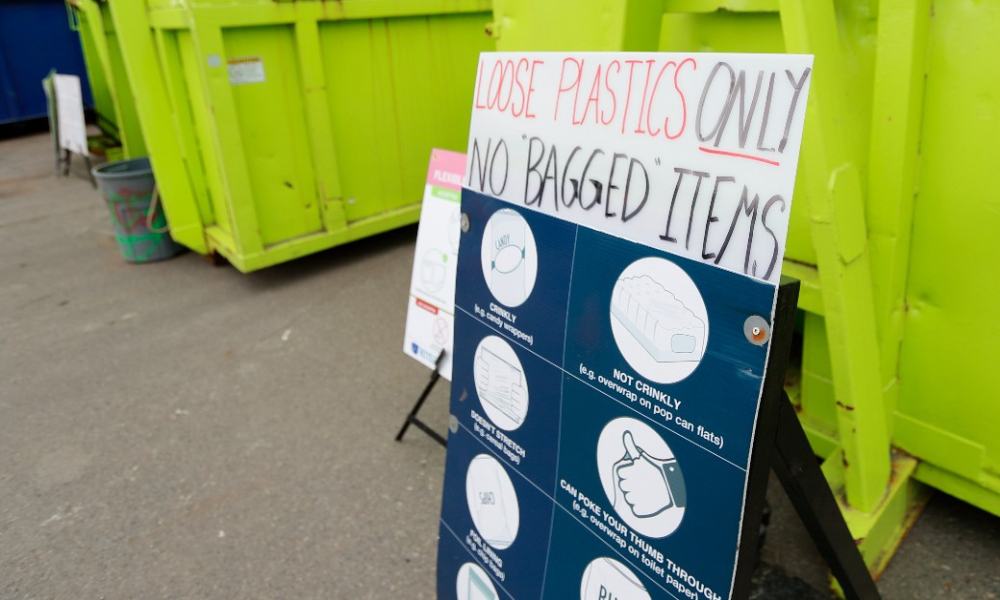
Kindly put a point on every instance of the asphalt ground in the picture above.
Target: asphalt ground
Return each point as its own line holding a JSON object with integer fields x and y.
{"x": 179, "y": 430}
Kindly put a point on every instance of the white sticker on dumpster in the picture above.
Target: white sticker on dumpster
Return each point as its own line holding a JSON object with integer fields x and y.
{"x": 246, "y": 69}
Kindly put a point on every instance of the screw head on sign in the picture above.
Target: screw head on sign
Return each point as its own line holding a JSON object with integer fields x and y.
{"x": 465, "y": 223}
{"x": 756, "y": 330}
{"x": 453, "y": 424}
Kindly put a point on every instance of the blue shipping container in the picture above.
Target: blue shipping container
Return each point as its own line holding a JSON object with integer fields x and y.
{"x": 35, "y": 38}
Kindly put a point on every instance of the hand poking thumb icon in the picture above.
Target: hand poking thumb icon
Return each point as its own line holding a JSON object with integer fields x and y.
{"x": 642, "y": 481}
{"x": 630, "y": 448}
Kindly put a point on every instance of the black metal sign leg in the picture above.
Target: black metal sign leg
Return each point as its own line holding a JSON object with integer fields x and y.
{"x": 781, "y": 444}
{"x": 761, "y": 453}
{"x": 413, "y": 419}
{"x": 800, "y": 475}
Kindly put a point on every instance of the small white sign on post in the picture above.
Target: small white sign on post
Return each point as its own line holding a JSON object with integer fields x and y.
{"x": 69, "y": 114}
{"x": 430, "y": 314}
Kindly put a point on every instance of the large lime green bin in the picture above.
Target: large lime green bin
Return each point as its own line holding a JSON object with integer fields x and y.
{"x": 277, "y": 129}
{"x": 113, "y": 103}
{"x": 891, "y": 233}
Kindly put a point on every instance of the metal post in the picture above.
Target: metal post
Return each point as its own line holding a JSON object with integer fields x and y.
{"x": 897, "y": 108}
{"x": 782, "y": 327}
{"x": 413, "y": 419}
{"x": 837, "y": 214}
{"x": 810, "y": 493}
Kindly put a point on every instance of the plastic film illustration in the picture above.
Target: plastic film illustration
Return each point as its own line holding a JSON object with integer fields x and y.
{"x": 667, "y": 329}
{"x": 659, "y": 320}
{"x": 500, "y": 383}
{"x": 607, "y": 579}
{"x": 641, "y": 477}
{"x": 492, "y": 501}
{"x": 474, "y": 584}
{"x": 434, "y": 270}
{"x": 509, "y": 257}
{"x": 441, "y": 331}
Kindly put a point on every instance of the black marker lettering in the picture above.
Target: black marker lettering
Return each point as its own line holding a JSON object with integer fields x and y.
{"x": 673, "y": 200}
{"x": 626, "y": 215}
{"x": 611, "y": 185}
{"x": 727, "y": 111}
{"x": 795, "y": 101}
{"x": 532, "y": 168}
{"x": 750, "y": 210}
{"x": 763, "y": 221}
{"x": 506, "y": 167}
{"x": 704, "y": 95}
{"x": 767, "y": 117}
{"x": 694, "y": 202}
{"x": 551, "y": 172}
{"x": 476, "y": 162}
{"x": 598, "y": 186}
{"x": 746, "y": 116}
{"x": 712, "y": 218}
{"x": 562, "y": 186}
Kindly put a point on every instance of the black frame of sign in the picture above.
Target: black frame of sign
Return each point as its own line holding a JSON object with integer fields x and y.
{"x": 780, "y": 443}
{"x": 413, "y": 417}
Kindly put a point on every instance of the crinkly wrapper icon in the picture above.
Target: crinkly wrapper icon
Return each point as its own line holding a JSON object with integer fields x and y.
{"x": 666, "y": 329}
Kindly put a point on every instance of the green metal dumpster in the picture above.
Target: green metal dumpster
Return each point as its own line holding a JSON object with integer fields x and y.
{"x": 113, "y": 103}
{"x": 890, "y": 231}
{"x": 277, "y": 129}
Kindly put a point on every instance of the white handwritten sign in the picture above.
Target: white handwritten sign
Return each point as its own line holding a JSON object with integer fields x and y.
{"x": 694, "y": 154}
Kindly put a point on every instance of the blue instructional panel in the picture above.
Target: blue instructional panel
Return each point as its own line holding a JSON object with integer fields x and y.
{"x": 606, "y": 395}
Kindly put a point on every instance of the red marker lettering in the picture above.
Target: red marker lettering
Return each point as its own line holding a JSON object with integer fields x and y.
{"x": 611, "y": 90}
{"x": 680, "y": 92}
{"x": 645, "y": 91}
{"x": 479, "y": 85}
{"x": 564, "y": 86}
{"x": 531, "y": 88}
{"x": 628, "y": 94}
{"x": 518, "y": 110}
